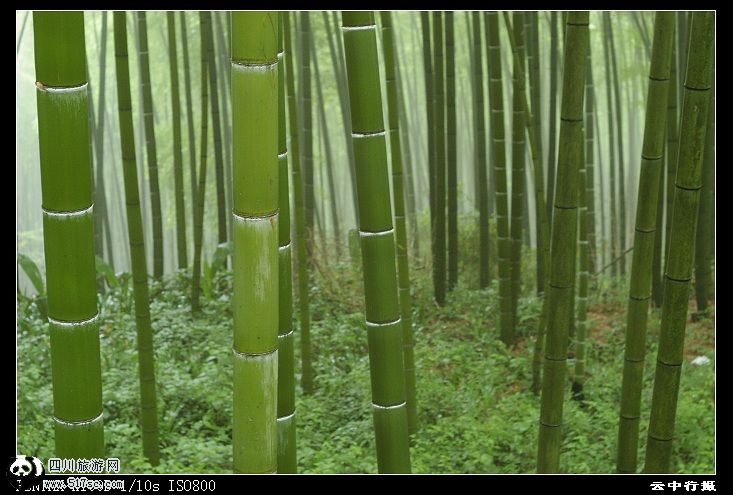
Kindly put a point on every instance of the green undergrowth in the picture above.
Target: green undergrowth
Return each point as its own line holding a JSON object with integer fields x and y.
{"x": 476, "y": 411}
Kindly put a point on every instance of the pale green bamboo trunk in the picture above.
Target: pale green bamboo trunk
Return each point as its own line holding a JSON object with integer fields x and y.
{"x": 146, "y": 367}
{"x": 254, "y": 76}
{"x": 306, "y": 377}
{"x": 563, "y": 243}
{"x": 384, "y": 326}
{"x": 678, "y": 273}
{"x": 403, "y": 267}
{"x": 287, "y": 461}
{"x": 644, "y": 241}
{"x": 68, "y": 232}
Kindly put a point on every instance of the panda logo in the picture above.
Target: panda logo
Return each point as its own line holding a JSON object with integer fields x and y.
{"x": 24, "y": 472}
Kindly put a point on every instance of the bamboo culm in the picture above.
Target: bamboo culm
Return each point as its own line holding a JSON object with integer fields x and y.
{"x": 384, "y": 326}
{"x": 68, "y": 232}
{"x": 255, "y": 206}
{"x": 146, "y": 366}
{"x": 678, "y": 272}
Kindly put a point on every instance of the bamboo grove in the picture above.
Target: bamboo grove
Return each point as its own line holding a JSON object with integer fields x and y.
{"x": 267, "y": 169}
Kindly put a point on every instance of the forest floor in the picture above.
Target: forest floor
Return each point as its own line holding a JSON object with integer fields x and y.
{"x": 477, "y": 413}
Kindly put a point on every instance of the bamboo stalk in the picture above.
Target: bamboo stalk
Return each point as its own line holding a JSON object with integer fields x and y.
{"x": 68, "y": 232}
{"x": 254, "y": 75}
{"x": 384, "y": 326}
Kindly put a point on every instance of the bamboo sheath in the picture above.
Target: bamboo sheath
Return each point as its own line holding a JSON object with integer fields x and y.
{"x": 678, "y": 272}
{"x": 254, "y": 76}
{"x": 68, "y": 232}
{"x": 384, "y": 326}
{"x": 286, "y": 451}
{"x": 644, "y": 241}
{"x": 403, "y": 267}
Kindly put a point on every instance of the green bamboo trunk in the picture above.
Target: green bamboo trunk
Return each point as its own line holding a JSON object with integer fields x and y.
{"x": 552, "y": 131}
{"x": 496, "y": 107}
{"x": 307, "y": 132}
{"x": 427, "y": 53}
{"x": 452, "y": 151}
{"x": 439, "y": 254}
{"x": 590, "y": 109}
{"x": 146, "y": 368}
{"x": 68, "y": 232}
{"x": 620, "y": 143}
{"x": 563, "y": 243}
{"x": 479, "y": 153}
{"x": 645, "y": 232}
{"x": 518, "y": 164}
{"x": 176, "y": 116}
{"x": 705, "y": 235}
{"x": 189, "y": 119}
{"x": 403, "y": 267}
{"x": 678, "y": 273}
{"x": 612, "y": 129}
{"x": 544, "y": 231}
{"x": 533, "y": 62}
{"x": 200, "y": 196}
{"x": 672, "y": 145}
{"x": 216, "y": 122}
{"x": 150, "y": 145}
{"x": 287, "y": 461}
{"x": 255, "y": 221}
{"x": 384, "y": 326}
{"x": 306, "y": 361}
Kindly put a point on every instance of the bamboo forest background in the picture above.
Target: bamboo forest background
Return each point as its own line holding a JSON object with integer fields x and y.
{"x": 476, "y": 383}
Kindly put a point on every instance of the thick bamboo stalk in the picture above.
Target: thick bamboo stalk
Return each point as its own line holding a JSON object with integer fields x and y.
{"x": 151, "y": 148}
{"x": 706, "y": 221}
{"x": 427, "y": 53}
{"x": 384, "y": 326}
{"x": 287, "y": 461}
{"x": 552, "y": 138}
{"x": 403, "y": 267}
{"x": 678, "y": 273}
{"x": 307, "y": 132}
{"x": 254, "y": 74}
{"x": 672, "y": 146}
{"x": 306, "y": 377}
{"x": 646, "y": 223}
{"x": 68, "y": 232}
{"x": 148, "y": 402}
{"x": 590, "y": 162}
{"x": 563, "y": 243}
